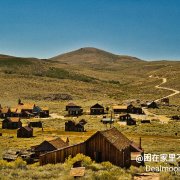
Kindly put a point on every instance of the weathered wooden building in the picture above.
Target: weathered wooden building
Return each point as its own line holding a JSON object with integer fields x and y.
{"x": 11, "y": 123}
{"x": 109, "y": 145}
{"x": 73, "y": 126}
{"x": 74, "y": 110}
{"x": 51, "y": 145}
{"x": 128, "y": 119}
{"x": 96, "y": 109}
{"x": 134, "y": 109}
{"x": 25, "y": 132}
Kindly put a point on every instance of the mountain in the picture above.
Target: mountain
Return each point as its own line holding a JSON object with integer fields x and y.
{"x": 89, "y": 55}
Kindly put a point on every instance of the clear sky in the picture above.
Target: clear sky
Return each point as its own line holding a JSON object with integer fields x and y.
{"x": 148, "y": 29}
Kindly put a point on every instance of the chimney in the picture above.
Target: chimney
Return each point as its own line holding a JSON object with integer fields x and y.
{"x": 67, "y": 141}
{"x": 140, "y": 143}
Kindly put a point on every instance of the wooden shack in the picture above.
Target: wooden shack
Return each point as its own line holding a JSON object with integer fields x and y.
{"x": 119, "y": 109}
{"x": 134, "y": 109}
{"x": 25, "y": 132}
{"x": 109, "y": 145}
{"x": 74, "y": 110}
{"x": 128, "y": 119}
{"x": 73, "y": 126}
{"x": 11, "y": 123}
{"x": 96, "y": 109}
{"x": 51, "y": 145}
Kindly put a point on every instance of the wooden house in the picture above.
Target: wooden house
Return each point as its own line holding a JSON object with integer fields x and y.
{"x": 134, "y": 109}
{"x": 128, "y": 119}
{"x": 73, "y": 126}
{"x": 44, "y": 112}
{"x": 25, "y": 132}
{"x": 96, "y": 109}
{"x": 119, "y": 109}
{"x": 74, "y": 110}
{"x": 51, "y": 145}
{"x": 165, "y": 101}
{"x": 11, "y": 123}
{"x": 109, "y": 145}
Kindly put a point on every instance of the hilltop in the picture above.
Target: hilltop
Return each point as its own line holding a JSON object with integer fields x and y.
{"x": 92, "y": 56}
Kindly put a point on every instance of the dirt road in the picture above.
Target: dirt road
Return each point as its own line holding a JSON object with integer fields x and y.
{"x": 164, "y": 80}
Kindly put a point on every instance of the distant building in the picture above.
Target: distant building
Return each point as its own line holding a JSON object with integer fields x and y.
{"x": 73, "y": 126}
{"x": 11, "y": 123}
{"x": 5, "y": 112}
{"x": 96, "y": 109}
{"x": 107, "y": 120}
{"x": 152, "y": 104}
{"x": 74, "y": 110}
{"x": 25, "y": 132}
{"x": 128, "y": 119}
{"x": 134, "y": 109}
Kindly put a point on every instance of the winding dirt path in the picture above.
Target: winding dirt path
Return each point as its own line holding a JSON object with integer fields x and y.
{"x": 162, "y": 118}
{"x": 164, "y": 80}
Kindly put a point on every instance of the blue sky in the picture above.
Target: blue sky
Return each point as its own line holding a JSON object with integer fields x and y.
{"x": 148, "y": 29}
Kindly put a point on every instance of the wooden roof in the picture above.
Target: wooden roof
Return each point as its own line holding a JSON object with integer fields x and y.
{"x": 27, "y": 128}
{"x": 26, "y": 106}
{"x": 119, "y": 107}
{"x": 116, "y": 138}
{"x": 45, "y": 108}
{"x": 5, "y": 110}
{"x": 97, "y": 106}
{"x": 14, "y": 119}
{"x": 58, "y": 143}
{"x": 71, "y": 104}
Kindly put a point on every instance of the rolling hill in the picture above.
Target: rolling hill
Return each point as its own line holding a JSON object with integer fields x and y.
{"x": 84, "y": 74}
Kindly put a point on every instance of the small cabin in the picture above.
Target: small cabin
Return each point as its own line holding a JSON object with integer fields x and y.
{"x": 51, "y": 145}
{"x": 96, "y": 109}
{"x": 11, "y": 123}
{"x": 25, "y": 132}
{"x": 73, "y": 126}
{"x": 134, "y": 110}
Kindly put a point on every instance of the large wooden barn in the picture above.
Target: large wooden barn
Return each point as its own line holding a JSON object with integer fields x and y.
{"x": 109, "y": 145}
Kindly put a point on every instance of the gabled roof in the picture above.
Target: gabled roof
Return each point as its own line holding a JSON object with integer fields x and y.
{"x": 26, "y": 106}
{"x": 5, "y": 110}
{"x": 58, "y": 143}
{"x": 45, "y": 109}
{"x": 97, "y": 106}
{"x": 14, "y": 119}
{"x": 27, "y": 128}
{"x": 116, "y": 138}
{"x": 71, "y": 104}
